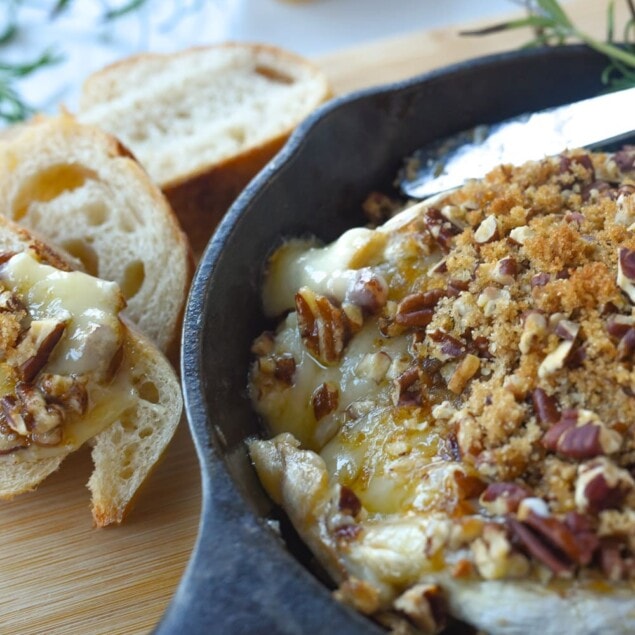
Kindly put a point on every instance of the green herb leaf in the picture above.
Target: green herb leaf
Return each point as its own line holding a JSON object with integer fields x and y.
{"x": 133, "y": 5}
{"x": 552, "y": 26}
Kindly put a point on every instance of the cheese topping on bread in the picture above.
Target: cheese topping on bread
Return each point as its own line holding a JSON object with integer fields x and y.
{"x": 62, "y": 342}
{"x": 453, "y": 402}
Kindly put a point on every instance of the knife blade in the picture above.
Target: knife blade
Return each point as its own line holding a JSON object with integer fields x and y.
{"x": 590, "y": 123}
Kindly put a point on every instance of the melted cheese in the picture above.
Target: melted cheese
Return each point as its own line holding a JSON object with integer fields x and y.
{"x": 89, "y": 307}
{"x": 326, "y": 270}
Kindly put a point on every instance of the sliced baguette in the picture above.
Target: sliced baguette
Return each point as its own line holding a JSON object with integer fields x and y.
{"x": 205, "y": 120}
{"x": 138, "y": 410}
{"x": 80, "y": 188}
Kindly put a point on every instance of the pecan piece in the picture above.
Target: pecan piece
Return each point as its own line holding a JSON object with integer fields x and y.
{"x": 581, "y": 435}
{"x": 487, "y": 231}
{"x": 408, "y": 387}
{"x": 417, "y": 309}
{"x": 33, "y": 352}
{"x": 425, "y": 606}
{"x": 67, "y": 391}
{"x": 325, "y": 399}
{"x": 451, "y": 347}
{"x": 540, "y": 549}
{"x": 601, "y": 485}
{"x": 324, "y": 328}
{"x": 40, "y": 416}
{"x": 626, "y": 272}
{"x": 503, "y": 498}
{"x": 368, "y": 291}
{"x": 467, "y": 368}
{"x": 440, "y": 228}
{"x": 545, "y": 406}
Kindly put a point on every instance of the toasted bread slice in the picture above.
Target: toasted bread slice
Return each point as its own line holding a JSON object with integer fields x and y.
{"x": 80, "y": 188}
{"x": 89, "y": 377}
{"x": 205, "y": 120}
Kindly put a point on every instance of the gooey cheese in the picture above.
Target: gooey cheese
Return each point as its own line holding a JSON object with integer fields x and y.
{"x": 94, "y": 333}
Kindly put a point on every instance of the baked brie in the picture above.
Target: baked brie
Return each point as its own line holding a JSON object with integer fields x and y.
{"x": 451, "y": 401}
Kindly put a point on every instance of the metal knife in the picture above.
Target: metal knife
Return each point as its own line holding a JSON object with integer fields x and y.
{"x": 591, "y": 123}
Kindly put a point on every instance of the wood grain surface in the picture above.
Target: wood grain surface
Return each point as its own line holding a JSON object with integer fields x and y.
{"x": 59, "y": 574}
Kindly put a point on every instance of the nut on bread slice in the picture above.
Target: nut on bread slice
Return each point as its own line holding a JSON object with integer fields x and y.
{"x": 72, "y": 371}
{"x": 81, "y": 189}
{"x": 205, "y": 120}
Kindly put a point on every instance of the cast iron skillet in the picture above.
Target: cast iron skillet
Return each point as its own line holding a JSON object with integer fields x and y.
{"x": 242, "y": 578}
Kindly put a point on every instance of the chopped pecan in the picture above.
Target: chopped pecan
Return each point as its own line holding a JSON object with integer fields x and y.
{"x": 534, "y": 329}
{"x": 263, "y": 344}
{"x": 568, "y": 331}
{"x": 325, "y": 399}
{"x": 41, "y": 417}
{"x": 374, "y": 366}
{"x": 626, "y": 346}
{"x": 615, "y": 564}
{"x": 618, "y": 325}
{"x": 451, "y": 347}
{"x": 466, "y": 369}
{"x": 68, "y": 391}
{"x": 284, "y": 368}
{"x": 580, "y": 166}
{"x": 546, "y": 406}
{"x": 581, "y": 435}
{"x": 503, "y": 498}
{"x": 9, "y": 302}
{"x": 417, "y": 310}
{"x": 625, "y": 158}
{"x": 540, "y": 548}
{"x": 425, "y": 606}
{"x": 33, "y": 352}
{"x": 601, "y": 485}
{"x": 324, "y": 328}
{"x": 540, "y": 279}
{"x": 456, "y": 287}
{"x": 505, "y": 271}
{"x": 408, "y": 387}
{"x": 626, "y": 272}
{"x": 520, "y": 235}
{"x": 13, "y": 416}
{"x": 487, "y": 231}
{"x": 440, "y": 228}
{"x": 368, "y": 290}
{"x": 494, "y": 555}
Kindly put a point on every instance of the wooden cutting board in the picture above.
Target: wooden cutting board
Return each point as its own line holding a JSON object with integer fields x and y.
{"x": 59, "y": 574}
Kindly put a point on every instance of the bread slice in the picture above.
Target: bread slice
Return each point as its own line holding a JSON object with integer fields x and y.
{"x": 203, "y": 121}
{"x": 82, "y": 190}
{"x": 131, "y": 396}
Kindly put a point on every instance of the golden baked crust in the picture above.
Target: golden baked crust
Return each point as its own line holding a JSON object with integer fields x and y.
{"x": 497, "y": 325}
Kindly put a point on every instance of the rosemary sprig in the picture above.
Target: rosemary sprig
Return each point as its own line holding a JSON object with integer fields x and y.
{"x": 552, "y": 26}
{"x": 12, "y": 107}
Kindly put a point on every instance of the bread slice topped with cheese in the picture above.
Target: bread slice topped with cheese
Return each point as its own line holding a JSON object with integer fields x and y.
{"x": 205, "y": 120}
{"x": 72, "y": 371}
{"x": 81, "y": 189}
